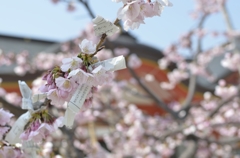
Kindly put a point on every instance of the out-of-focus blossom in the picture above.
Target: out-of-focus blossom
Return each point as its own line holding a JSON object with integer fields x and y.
{"x": 225, "y": 92}
{"x": 174, "y": 78}
{"x": 71, "y": 7}
{"x": 231, "y": 61}
{"x": 104, "y": 54}
{"x": 5, "y": 117}
{"x": 134, "y": 61}
{"x": 163, "y": 63}
{"x": 13, "y": 98}
{"x": 121, "y": 51}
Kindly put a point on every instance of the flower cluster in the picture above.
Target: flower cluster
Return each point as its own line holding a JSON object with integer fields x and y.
{"x": 8, "y": 151}
{"x": 224, "y": 91}
{"x": 230, "y": 61}
{"x": 63, "y": 81}
{"x": 207, "y": 7}
{"x": 134, "y": 12}
{"x": 40, "y": 126}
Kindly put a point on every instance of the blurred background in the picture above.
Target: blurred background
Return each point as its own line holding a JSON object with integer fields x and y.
{"x": 36, "y": 35}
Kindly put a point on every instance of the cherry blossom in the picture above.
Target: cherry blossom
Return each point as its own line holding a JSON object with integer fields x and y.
{"x": 174, "y": 77}
{"x": 134, "y": 61}
{"x": 57, "y": 98}
{"x": 79, "y": 76}
{"x": 38, "y": 130}
{"x": 87, "y": 47}
{"x": 231, "y": 61}
{"x": 9, "y": 152}
{"x": 64, "y": 84}
{"x": 71, "y": 63}
{"x": 121, "y": 51}
{"x": 134, "y": 12}
{"x": 225, "y": 92}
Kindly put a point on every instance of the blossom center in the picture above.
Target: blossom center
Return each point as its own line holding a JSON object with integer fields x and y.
{"x": 66, "y": 84}
{"x": 74, "y": 63}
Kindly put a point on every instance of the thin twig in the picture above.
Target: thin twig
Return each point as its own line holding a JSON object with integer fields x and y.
{"x": 90, "y": 12}
{"x": 102, "y": 39}
{"x": 221, "y": 104}
{"x": 159, "y": 102}
{"x": 192, "y": 82}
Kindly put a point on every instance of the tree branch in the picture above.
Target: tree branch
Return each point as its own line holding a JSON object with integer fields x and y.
{"x": 221, "y": 104}
{"x": 159, "y": 102}
{"x": 192, "y": 82}
{"x": 17, "y": 111}
{"x": 90, "y": 12}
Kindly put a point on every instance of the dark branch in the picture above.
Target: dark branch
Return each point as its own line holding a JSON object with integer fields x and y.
{"x": 159, "y": 102}
{"x": 221, "y": 104}
{"x": 90, "y": 12}
{"x": 17, "y": 111}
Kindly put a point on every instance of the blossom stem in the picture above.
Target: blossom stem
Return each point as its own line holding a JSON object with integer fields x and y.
{"x": 102, "y": 40}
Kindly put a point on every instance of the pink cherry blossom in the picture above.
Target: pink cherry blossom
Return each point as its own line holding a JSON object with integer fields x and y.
{"x": 64, "y": 84}
{"x": 87, "y": 47}
{"x": 225, "y": 92}
{"x": 71, "y": 63}
{"x": 174, "y": 77}
{"x": 79, "y": 76}
{"x": 134, "y": 61}
{"x": 147, "y": 9}
{"x": 134, "y": 12}
{"x": 65, "y": 95}
{"x": 10, "y": 152}
{"x": 121, "y": 51}
{"x": 55, "y": 97}
{"x": 231, "y": 61}
{"x": 130, "y": 11}
{"x": 157, "y": 8}
{"x": 38, "y": 131}
{"x": 165, "y": 3}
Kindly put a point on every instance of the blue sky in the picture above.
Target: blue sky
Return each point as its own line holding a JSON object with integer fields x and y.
{"x": 40, "y": 19}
